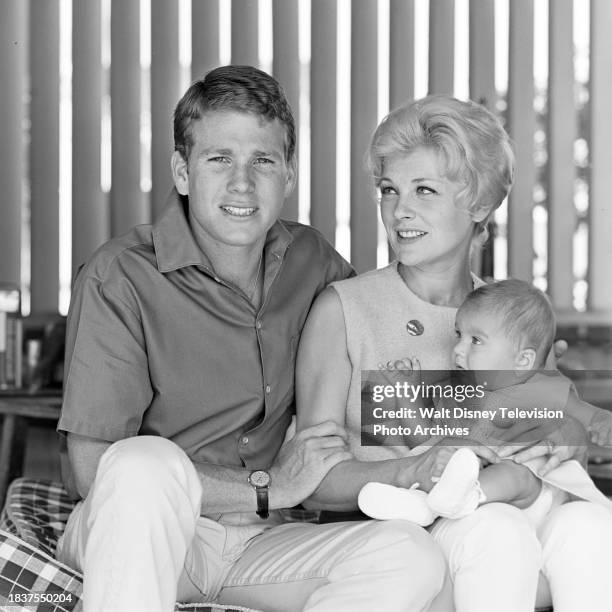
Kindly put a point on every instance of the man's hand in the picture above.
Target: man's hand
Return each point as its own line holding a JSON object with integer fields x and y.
{"x": 563, "y": 442}
{"x": 304, "y": 460}
{"x": 600, "y": 428}
{"x": 557, "y": 351}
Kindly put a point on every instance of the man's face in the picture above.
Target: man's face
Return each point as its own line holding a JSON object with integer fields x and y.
{"x": 236, "y": 178}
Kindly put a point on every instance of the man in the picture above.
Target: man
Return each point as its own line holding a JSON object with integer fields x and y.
{"x": 179, "y": 390}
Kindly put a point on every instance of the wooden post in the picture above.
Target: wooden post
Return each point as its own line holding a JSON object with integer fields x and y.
{"x": 600, "y": 207}
{"x": 245, "y": 27}
{"x": 561, "y": 135}
{"x": 128, "y": 206}
{"x": 287, "y": 69}
{"x": 204, "y": 37}
{"x": 401, "y": 50}
{"x": 13, "y": 40}
{"x": 521, "y": 126}
{"x": 364, "y": 100}
{"x": 44, "y": 154}
{"x": 441, "y": 46}
{"x": 482, "y": 53}
{"x": 90, "y": 212}
{"x": 165, "y": 92}
{"x": 482, "y": 90}
{"x": 323, "y": 92}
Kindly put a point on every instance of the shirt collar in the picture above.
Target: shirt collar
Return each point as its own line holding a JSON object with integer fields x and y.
{"x": 175, "y": 247}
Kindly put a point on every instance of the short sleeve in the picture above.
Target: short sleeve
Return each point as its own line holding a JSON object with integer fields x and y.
{"x": 107, "y": 387}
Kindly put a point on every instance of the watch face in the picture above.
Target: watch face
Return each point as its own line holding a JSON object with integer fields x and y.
{"x": 259, "y": 478}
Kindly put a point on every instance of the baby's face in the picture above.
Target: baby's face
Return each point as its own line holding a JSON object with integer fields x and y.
{"x": 482, "y": 343}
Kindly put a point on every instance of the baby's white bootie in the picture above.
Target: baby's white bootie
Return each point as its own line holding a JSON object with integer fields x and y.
{"x": 458, "y": 491}
{"x": 386, "y": 502}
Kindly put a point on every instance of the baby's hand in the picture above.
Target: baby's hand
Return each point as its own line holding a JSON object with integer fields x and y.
{"x": 600, "y": 428}
{"x": 400, "y": 369}
{"x": 411, "y": 364}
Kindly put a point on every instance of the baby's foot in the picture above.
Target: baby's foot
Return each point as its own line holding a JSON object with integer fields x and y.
{"x": 386, "y": 502}
{"x": 458, "y": 492}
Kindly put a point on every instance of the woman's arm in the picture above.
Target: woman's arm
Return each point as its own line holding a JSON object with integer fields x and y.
{"x": 323, "y": 376}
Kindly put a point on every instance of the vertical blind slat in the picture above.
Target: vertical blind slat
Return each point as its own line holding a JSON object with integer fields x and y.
{"x": 128, "y": 206}
{"x": 482, "y": 52}
{"x": 441, "y": 46}
{"x": 364, "y": 99}
{"x": 245, "y": 17}
{"x": 90, "y": 214}
{"x": 482, "y": 87}
{"x": 204, "y": 37}
{"x": 13, "y": 38}
{"x": 521, "y": 124}
{"x": 165, "y": 91}
{"x": 323, "y": 100}
{"x": 561, "y": 134}
{"x": 401, "y": 52}
{"x": 287, "y": 69}
{"x": 44, "y": 154}
{"x": 600, "y": 207}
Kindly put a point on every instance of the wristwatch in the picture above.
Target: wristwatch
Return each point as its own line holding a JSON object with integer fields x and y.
{"x": 260, "y": 480}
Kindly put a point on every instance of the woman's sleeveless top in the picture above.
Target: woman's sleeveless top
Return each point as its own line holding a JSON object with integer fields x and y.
{"x": 381, "y": 316}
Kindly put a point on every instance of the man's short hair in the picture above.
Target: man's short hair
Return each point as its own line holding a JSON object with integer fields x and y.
{"x": 243, "y": 89}
{"x": 526, "y": 313}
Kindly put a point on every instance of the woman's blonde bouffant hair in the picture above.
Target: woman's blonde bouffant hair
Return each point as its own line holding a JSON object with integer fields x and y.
{"x": 470, "y": 141}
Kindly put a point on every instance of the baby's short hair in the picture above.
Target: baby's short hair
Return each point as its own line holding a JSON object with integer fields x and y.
{"x": 526, "y": 312}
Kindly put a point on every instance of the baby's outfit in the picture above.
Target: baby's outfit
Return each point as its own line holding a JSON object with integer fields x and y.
{"x": 458, "y": 493}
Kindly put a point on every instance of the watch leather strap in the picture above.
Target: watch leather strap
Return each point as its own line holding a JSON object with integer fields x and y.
{"x": 262, "y": 502}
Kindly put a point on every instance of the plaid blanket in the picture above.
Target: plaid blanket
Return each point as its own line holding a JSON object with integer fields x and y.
{"x": 31, "y": 579}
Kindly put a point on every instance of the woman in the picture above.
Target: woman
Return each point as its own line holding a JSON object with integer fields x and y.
{"x": 441, "y": 167}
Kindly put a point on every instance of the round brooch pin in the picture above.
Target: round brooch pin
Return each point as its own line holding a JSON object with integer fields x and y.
{"x": 414, "y": 327}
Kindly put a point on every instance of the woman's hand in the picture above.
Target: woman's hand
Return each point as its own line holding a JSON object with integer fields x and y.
{"x": 563, "y": 442}
{"x": 428, "y": 467}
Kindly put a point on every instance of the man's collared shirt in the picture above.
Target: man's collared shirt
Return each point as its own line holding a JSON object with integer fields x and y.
{"x": 157, "y": 344}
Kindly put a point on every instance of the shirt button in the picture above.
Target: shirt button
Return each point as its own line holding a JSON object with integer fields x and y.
{"x": 258, "y": 325}
{"x": 245, "y": 440}
{"x": 268, "y": 389}
{"x": 277, "y": 256}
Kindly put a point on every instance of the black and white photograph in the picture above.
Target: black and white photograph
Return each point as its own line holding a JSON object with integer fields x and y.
{"x": 305, "y": 305}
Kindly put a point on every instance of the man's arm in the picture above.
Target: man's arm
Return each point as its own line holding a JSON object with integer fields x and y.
{"x": 84, "y": 455}
{"x": 299, "y": 467}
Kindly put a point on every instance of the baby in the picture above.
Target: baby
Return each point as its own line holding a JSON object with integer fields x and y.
{"x": 506, "y": 326}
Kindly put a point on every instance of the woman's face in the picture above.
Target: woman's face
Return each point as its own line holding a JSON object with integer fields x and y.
{"x": 424, "y": 225}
